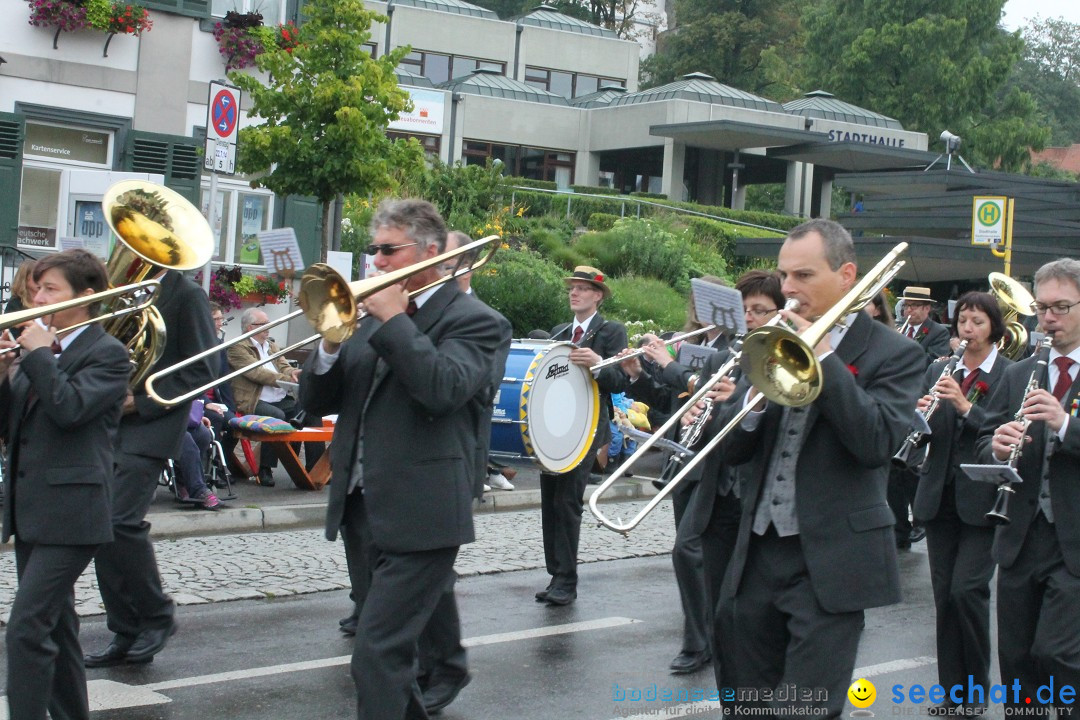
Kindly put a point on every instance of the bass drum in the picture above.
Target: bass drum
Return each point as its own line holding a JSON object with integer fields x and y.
{"x": 546, "y": 409}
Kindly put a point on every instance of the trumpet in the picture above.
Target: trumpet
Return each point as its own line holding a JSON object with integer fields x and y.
{"x": 914, "y": 439}
{"x": 641, "y": 350}
{"x": 689, "y": 435}
{"x": 999, "y": 514}
{"x": 332, "y": 306}
{"x": 783, "y": 366}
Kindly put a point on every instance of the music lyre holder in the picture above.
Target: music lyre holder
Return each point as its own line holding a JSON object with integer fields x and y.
{"x": 997, "y": 474}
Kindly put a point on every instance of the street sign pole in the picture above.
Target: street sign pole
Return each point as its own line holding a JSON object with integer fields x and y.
{"x": 222, "y": 134}
{"x": 1005, "y": 252}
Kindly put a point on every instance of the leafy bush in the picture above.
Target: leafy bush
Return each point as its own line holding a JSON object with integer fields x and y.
{"x": 649, "y": 195}
{"x": 529, "y": 182}
{"x": 640, "y": 299}
{"x": 525, "y": 288}
{"x": 643, "y": 248}
{"x": 602, "y": 221}
{"x": 464, "y": 195}
{"x": 595, "y": 190}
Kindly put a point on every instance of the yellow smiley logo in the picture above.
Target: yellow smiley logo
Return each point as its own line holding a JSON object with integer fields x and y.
{"x": 862, "y": 693}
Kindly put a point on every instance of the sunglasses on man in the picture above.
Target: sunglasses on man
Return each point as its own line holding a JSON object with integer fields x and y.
{"x": 386, "y": 248}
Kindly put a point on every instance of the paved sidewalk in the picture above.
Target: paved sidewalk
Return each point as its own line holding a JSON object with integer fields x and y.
{"x": 260, "y": 565}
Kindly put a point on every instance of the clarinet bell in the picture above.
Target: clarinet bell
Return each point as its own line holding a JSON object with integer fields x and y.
{"x": 999, "y": 514}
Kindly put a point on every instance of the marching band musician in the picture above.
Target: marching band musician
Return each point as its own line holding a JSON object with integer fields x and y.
{"x": 561, "y": 495}
{"x": 409, "y": 388}
{"x": 815, "y": 545}
{"x": 1038, "y": 552}
{"x": 59, "y": 413}
{"x": 953, "y": 507}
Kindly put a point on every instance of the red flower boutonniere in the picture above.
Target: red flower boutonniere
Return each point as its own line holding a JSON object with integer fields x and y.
{"x": 924, "y": 330}
{"x": 977, "y": 391}
{"x": 854, "y": 370}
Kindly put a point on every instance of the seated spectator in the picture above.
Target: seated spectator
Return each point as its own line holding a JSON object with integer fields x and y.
{"x": 220, "y": 404}
{"x": 190, "y": 480}
{"x": 257, "y": 391}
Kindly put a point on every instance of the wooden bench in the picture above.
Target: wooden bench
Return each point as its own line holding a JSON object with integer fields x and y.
{"x": 319, "y": 474}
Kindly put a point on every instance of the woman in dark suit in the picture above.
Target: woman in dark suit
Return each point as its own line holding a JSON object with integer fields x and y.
{"x": 953, "y": 507}
{"x": 60, "y": 404}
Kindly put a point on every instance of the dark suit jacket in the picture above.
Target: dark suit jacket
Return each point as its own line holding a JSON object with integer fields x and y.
{"x": 419, "y": 418}
{"x": 854, "y": 428}
{"x": 223, "y": 393}
{"x": 1064, "y": 471}
{"x": 953, "y": 442}
{"x": 484, "y": 407}
{"x": 933, "y": 338}
{"x": 607, "y": 338}
{"x": 152, "y": 430}
{"x": 60, "y": 417}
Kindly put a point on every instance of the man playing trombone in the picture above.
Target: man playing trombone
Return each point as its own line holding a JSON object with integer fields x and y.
{"x": 410, "y": 388}
{"x": 815, "y": 545}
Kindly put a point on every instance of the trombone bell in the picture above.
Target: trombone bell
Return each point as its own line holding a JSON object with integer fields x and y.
{"x": 789, "y": 368}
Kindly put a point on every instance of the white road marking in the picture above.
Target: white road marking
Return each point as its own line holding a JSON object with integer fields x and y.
{"x": 109, "y": 695}
{"x": 892, "y": 666}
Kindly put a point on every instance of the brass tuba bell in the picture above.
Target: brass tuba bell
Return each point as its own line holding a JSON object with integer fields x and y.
{"x": 1014, "y": 300}
{"x": 158, "y": 230}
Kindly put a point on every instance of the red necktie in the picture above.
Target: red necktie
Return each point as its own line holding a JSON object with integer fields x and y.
{"x": 969, "y": 381}
{"x": 578, "y": 332}
{"x": 911, "y": 332}
{"x": 1064, "y": 382}
{"x": 411, "y": 309}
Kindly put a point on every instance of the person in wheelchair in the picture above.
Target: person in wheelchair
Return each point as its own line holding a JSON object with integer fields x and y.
{"x": 196, "y": 455}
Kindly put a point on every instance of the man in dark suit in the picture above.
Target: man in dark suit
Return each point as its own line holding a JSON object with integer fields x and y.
{"x": 561, "y": 495}
{"x": 933, "y": 338}
{"x": 444, "y": 670}
{"x": 220, "y": 403}
{"x": 1038, "y": 552}
{"x": 58, "y": 415}
{"x": 137, "y": 610}
{"x": 409, "y": 393}
{"x": 815, "y": 545}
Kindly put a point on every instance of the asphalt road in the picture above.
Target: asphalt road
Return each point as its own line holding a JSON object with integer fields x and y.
{"x": 284, "y": 657}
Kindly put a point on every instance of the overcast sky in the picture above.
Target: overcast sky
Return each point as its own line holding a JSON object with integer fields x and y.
{"x": 1017, "y": 12}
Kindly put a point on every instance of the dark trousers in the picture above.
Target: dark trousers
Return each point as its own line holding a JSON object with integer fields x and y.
{"x": 404, "y": 591}
{"x": 776, "y": 634}
{"x": 960, "y": 572}
{"x": 127, "y": 570}
{"x": 44, "y": 659}
{"x": 442, "y": 658}
{"x": 283, "y": 410}
{"x": 691, "y": 516}
{"x": 1038, "y": 627}
{"x": 560, "y": 515}
{"x": 901, "y": 493}
{"x": 220, "y": 425}
{"x": 194, "y": 446}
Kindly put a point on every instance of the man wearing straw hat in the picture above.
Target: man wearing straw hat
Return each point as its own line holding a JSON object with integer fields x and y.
{"x": 560, "y": 495}
{"x": 932, "y": 337}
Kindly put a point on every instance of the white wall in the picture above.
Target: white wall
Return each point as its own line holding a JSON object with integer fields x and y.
{"x": 573, "y": 52}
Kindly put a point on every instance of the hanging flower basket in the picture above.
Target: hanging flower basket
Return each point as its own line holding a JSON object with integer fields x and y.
{"x": 113, "y": 18}
{"x": 231, "y": 288}
{"x": 126, "y": 19}
{"x": 242, "y": 37}
{"x": 64, "y": 15}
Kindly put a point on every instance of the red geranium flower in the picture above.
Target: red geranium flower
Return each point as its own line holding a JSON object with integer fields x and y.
{"x": 854, "y": 370}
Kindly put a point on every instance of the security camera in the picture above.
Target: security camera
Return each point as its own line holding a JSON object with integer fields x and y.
{"x": 952, "y": 142}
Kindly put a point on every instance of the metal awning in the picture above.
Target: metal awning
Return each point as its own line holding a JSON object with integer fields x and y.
{"x": 732, "y": 134}
{"x": 854, "y": 156}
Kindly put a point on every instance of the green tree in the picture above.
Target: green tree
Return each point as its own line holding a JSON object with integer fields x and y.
{"x": 753, "y": 45}
{"x": 1050, "y": 71}
{"x": 325, "y": 110}
{"x": 931, "y": 64}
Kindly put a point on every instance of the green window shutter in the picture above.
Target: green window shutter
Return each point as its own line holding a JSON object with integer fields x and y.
{"x": 11, "y": 142}
{"x": 174, "y": 156}
{"x": 304, "y": 215}
{"x": 191, "y": 8}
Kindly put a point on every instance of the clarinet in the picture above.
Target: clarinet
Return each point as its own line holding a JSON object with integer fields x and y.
{"x": 916, "y": 438}
{"x": 999, "y": 514}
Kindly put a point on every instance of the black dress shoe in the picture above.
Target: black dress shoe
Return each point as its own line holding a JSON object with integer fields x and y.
{"x": 349, "y": 625}
{"x": 150, "y": 643}
{"x": 917, "y": 534}
{"x": 114, "y": 654}
{"x": 266, "y": 477}
{"x": 560, "y": 596}
{"x": 438, "y": 696}
{"x": 542, "y": 595}
{"x": 688, "y": 662}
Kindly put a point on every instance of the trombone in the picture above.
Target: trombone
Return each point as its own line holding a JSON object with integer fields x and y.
{"x": 777, "y": 362}
{"x": 149, "y": 288}
{"x": 331, "y": 305}
{"x": 702, "y": 390}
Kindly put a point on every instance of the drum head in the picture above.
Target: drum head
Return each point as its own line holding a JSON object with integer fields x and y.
{"x": 560, "y": 403}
